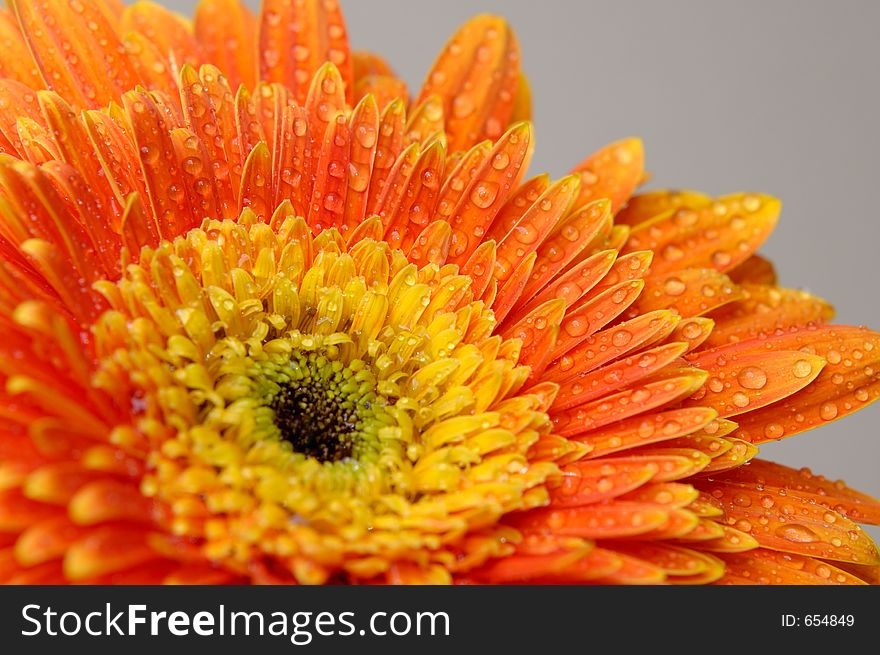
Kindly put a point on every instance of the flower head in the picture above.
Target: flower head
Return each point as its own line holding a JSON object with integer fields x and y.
{"x": 266, "y": 320}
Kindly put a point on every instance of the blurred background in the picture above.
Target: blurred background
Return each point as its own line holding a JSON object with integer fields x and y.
{"x": 780, "y": 97}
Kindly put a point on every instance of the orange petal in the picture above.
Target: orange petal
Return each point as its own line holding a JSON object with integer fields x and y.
{"x": 385, "y": 89}
{"x": 522, "y": 104}
{"x": 167, "y": 198}
{"x": 719, "y": 236}
{"x": 227, "y": 32}
{"x": 615, "y": 376}
{"x": 766, "y": 309}
{"x": 745, "y": 376}
{"x": 627, "y": 403}
{"x": 585, "y": 354}
{"x": 462, "y": 170}
{"x": 480, "y": 267}
{"x": 432, "y": 245}
{"x": 76, "y": 50}
{"x": 364, "y": 128}
{"x": 606, "y": 520}
{"x": 635, "y": 572}
{"x": 596, "y": 311}
{"x": 411, "y": 193}
{"x": 205, "y": 99}
{"x": 369, "y": 63}
{"x": 585, "y": 483}
{"x": 296, "y": 38}
{"x": 612, "y": 172}
{"x": 763, "y": 567}
{"x": 16, "y": 64}
{"x": 572, "y": 285}
{"x": 106, "y": 550}
{"x": 47, "y": 540}
{"x": 849, "y": 381}
{"x": 17, "y": 512}
{"x": 731, "y": 541}
{"x": 326, "y": 97}
{"x": 477, "y": 76}
{"x": 327, "y": 206}
{"x": 167, "y": 31}
{"x": 520, "y": 200}
{"x": 537, "y": 332}
{"x": 792, "y": 522}
{"x": 388, "y": 148}
{"x": 109, "y": 500}
{"x": 511, "y": 292}
{"x": 674, "y": 560}
{"x": 692, "y": 292}
{"x": 641, "y": 430}
{"x": 487, "y": 189}
{"x": 835, "y": 495}
{"x": 425, "y": 121}
{"x": 534, "y": 226}
{"x": 16, "y": 101}
{"x": 522, "y": 568}
{"x": 668, "y": 494}
{"x": 566, "y": 242}
{"x": 645, "y": 206}
{"x": 754, "y": 270}
{"x": 740, "y": 453}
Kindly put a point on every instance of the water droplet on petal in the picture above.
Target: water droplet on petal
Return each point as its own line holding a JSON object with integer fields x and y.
{"x": 752, "y": 377}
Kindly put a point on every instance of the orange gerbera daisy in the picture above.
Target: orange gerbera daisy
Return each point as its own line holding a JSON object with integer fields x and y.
{"x": 307, "y": 331}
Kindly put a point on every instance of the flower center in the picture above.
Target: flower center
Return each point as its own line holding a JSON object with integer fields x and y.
{"x": 321, "y": 410}
{"x": 315, "y": 422}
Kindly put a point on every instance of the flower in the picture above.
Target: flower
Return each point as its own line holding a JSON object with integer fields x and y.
{"x": 308, "y": 332}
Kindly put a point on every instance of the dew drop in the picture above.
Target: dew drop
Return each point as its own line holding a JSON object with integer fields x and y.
{"x": 501, "y": 161}
{"x": 484, "y": 194}
{"x": 752, "y": 377}
{"x": 674, "y": 287}
{"x": 740, "y": 399}
{"x": 828, "y": 411}
{"x": 796, "y": 533}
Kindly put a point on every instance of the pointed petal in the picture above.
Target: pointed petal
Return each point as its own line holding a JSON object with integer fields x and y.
{"x": 167, "y": 31}
{"x": 296, "y": 38}
{"x": 754, "y": 270}
{"x": 645, "y": 206}
{"x": 585, "y": 483}
{"x": 792, "y": 522}
{"x": 534, "y": 226}
{"x": 587, "y": 353}
{"x": 487, "y": 189}
{"x": 598, "y": 521}
{"x": 227, "y": 33}
{"x": 833, "y": 494}
{"x": 766, "y": 309}
{"x": 744, "y": 377}
{"x": 692, "y": 292}
{"x": 625, "y": 404}
{"x": 612, "y": 172}
{"x": 618, "y": 375}
{"x": 388, "y": 148}
{"x": 763, "y": 567}
{"x": 565, "y": 243}
{"x": 719, "y": 236}
{"x": 642, "y": 430}
{"x": 477, "y": 76}
{"x": 364, "y": 128}
{"x": 76, "y": 50}
{"x": 849, "y": 381}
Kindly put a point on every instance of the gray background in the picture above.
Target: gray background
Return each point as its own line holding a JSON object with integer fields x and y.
{"x": 776, "y": 96}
